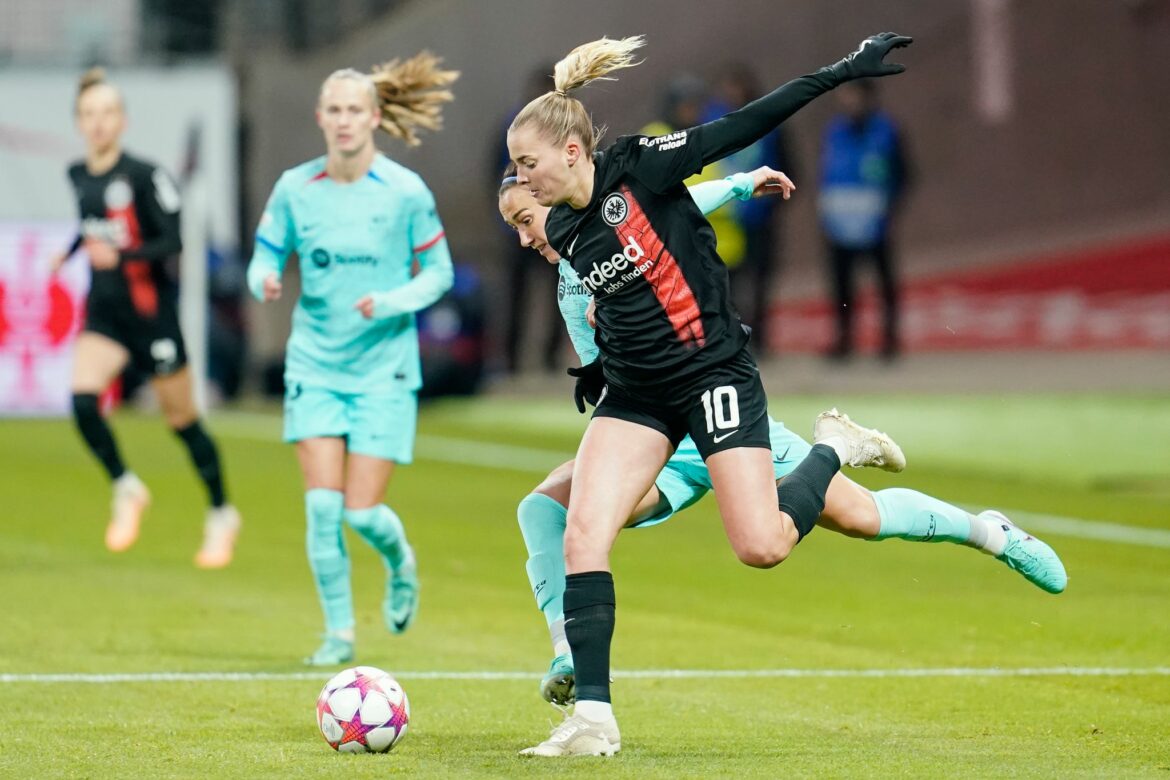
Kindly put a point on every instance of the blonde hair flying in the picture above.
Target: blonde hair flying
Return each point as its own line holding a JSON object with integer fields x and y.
{"x": 559, "y": 115}
{"x": 409, "y": 93}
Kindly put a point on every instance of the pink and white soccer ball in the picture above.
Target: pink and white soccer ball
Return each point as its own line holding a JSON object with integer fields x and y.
{"x": 363, "y": 710}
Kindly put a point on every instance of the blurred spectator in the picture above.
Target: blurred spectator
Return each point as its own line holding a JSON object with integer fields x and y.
{"x": 522, "y": 262}
{"x": 758, "y": 218}
{"x": 682, "y": 107}
{"x": 864, "y": 174}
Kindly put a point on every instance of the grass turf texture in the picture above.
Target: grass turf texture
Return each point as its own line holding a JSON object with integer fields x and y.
{"x": 683, "y": 603}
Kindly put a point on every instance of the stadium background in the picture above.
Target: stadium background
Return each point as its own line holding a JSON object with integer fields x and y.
{"x": 1036, "y": 269}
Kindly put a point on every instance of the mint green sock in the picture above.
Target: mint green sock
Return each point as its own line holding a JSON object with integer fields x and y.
{"x": 917, "y": 517}
{"x": 328, "y": 557}
{"x": 542, "y": 524}
{"x": 382, "y": 529}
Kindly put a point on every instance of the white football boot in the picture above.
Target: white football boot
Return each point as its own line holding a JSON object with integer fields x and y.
{"x": 131, "y": 498}
{"x": 219, "y": 537}
{"x": 578, "y": 736}
{"x": 866, "y": 447}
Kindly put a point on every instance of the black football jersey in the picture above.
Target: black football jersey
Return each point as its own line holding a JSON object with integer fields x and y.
{"x": 647, "y": 255}
{"x": 135, "y": 207}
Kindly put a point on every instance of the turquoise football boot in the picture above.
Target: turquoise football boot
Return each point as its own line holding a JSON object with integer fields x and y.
{"x": 557, "y": 687}
{"x": 1031, "y": 557}
{"x": 334, "y": 651}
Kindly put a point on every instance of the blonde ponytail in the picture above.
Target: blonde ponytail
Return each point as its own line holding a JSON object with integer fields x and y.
{"x": 558, "y": 115}
{"x": 409, "y": 94}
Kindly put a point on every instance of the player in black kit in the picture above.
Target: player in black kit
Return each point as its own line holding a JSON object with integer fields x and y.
{"x": 673, "y": 351}
{"x": 129, "y": 228}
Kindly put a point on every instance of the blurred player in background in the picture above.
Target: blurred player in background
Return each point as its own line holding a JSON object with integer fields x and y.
{"x": 358, "y": 222}
{"x": 673, "y": 351}
{"x": 129, "y": 229}
{"x": 849, "y": 509}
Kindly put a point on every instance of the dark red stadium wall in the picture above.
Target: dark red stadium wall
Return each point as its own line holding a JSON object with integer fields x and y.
{"x": 1109, "y": 297}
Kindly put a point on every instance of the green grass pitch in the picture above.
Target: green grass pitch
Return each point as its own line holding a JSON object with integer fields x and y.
{"x": 69, "y": 607}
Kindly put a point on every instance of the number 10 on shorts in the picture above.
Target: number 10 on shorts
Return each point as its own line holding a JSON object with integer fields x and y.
{"x": 722, "y": 408}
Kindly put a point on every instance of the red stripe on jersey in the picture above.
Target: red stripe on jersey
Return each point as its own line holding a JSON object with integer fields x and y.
{"x": 318, "y": 177}
{"x": 664, "y": 276}
{"x": 143, "y": 293}
{"x": 430, "y": 243}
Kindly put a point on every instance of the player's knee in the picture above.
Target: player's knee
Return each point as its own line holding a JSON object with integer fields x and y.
{"x": 764, "y": 553}
{"x": 180, "y": 417}
{"x": 323, "y": 511}
{"x": 582, "y": 550}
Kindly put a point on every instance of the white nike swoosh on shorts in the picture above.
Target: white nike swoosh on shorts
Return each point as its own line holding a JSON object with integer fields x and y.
{"x": 717, "y": 439}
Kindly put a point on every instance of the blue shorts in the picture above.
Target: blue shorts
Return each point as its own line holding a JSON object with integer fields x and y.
{"x": 381, "y": 425}
{"x": 685, "y": 479}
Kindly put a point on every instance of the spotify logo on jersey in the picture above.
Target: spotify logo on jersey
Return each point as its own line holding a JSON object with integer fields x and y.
{"x": 320, "y": 258}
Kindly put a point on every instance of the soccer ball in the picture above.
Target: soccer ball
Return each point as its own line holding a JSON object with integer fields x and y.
{"x": 363, "y": 710}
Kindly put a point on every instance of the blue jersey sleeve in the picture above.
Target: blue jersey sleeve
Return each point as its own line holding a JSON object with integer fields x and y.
{"x": 573, "y": 301}
{"x": 274, "y": 241}
{"x": 435, "y": 276}
{"x": 710, "y": 195}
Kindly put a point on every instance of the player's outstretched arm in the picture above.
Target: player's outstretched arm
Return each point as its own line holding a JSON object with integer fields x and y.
{"x": 740, "y": 129}
{"x": 711, "y": 195}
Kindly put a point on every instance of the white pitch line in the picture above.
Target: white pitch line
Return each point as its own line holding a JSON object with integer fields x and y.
{"x": 632, "y": 674}
{"x": 532, "y": 460}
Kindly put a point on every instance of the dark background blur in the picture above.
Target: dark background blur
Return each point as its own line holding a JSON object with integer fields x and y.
{"x": 1037, "y": 129}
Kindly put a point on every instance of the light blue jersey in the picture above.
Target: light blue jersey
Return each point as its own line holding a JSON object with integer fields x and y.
{"x": 354, "y": 239}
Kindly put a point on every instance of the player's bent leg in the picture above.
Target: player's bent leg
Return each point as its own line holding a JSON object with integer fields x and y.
{"x": 917, "y": 517}
{"x": 367, "y": 478}
{"x": 850, "y": 509}
{"x": 760, "y": 534}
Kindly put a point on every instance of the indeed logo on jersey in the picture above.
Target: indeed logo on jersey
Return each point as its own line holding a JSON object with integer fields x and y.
{"x": 664, "y": 142}
{"x": 613, "y": 274}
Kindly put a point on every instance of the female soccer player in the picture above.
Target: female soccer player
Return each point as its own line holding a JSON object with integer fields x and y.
{"x": 673, "y": 351}
{"x": 130, "y": 228}
{"x": 849, "y": 508}
{"x": 358, "y": 222}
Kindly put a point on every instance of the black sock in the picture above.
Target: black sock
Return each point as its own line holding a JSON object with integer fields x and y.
{"x": 802, "y": 493}
{"x": 589, "y": 619}
{"x": 88, "y": 416}
{"x": 206, "y": 460}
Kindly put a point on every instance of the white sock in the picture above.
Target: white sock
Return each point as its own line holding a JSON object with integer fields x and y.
{"x": 127, "y": 481}
{"x": 344, "y": 634}
{"x": 840, "y": 446}
{"x": 988, "y": 535}
{"x": 561, "y": 647}
{"x": 594, "y": 711}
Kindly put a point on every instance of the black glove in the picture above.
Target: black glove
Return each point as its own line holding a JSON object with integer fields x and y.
{"x": 866, "y": 62}
{"x": 590, "y": 383}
